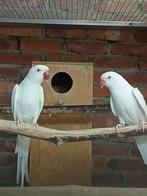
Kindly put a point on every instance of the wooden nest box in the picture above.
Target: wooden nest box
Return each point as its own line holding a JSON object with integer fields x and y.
{"x": 70, "y": 84}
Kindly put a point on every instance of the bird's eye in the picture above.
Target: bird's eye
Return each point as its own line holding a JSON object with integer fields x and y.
{"x": 109, "y": 77}
{"x": 38, "y": 70}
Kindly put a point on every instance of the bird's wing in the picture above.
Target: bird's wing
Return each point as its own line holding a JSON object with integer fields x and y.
{"x": 41, "y": 100}
{"x": 14, "y": 100}
{"x": 140, "y": 100}
{"x": 112, "y": 106}
{"x": 39, "y": 105}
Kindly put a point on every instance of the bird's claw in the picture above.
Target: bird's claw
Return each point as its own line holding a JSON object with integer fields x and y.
{"x": 35, "y": 124}
{"x": 18, "y": 122}
{"x": 142, "y": 124}
{"x": 59, "y": 142}
{"x": 119, "y": 126}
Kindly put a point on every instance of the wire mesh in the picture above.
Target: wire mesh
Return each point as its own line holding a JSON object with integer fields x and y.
{"x": 77, "y": 10}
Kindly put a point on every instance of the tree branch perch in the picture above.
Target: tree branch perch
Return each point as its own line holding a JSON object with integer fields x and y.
{"x": 10, "y": 127}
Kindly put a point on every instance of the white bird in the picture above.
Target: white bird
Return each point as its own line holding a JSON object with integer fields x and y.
{"x": 27, "y": 102}
{"x": 128, "y": 104}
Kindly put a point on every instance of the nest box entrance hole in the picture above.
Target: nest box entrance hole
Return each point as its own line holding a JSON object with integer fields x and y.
{"x": 61, "y": 82}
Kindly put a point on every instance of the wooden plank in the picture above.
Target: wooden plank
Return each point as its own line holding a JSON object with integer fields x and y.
{"x": 72, "y": 190}
{"x": 93, "y": 109}
{"x": 71, "y": 164}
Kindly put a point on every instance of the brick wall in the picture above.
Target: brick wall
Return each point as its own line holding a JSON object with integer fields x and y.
{"x": 116, "y": 162}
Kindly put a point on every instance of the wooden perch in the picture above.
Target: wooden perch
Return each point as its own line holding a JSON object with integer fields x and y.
{"x": 105, "y": 108}
{"x": 7, "y": 126}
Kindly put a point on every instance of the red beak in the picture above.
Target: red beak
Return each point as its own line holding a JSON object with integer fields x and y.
{"x": 102, "y": 83}
{"x": 46, "y": 75}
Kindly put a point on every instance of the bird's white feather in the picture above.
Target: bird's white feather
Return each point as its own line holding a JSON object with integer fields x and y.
{"x": 128, "y": 104}
{"x": 27, "y": 102}
{"x": 112, "y": 106}
{"x": 140, "y": 100}
{"x": 15, "y": 93}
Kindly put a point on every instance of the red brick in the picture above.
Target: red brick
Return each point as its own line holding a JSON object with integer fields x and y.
{"x": 7, "y": 71}
{"x": 143, "y": 63}
{"x": 125, "y": 140}
{"x": 135, "y": 152}
{"x": 8, "y": 44}
{"x": 9, "y": 146}
{"x": 137, "y": 179}
{"x": 6, "y": 160}
{"x": 24, "y": 71}
{"x": 111, "y": 150}
{"x": 100, "y": 100}
{"x": 99, "y": 92}
{"x": 114, "y": 61}
{"x": 112, "y": 35}
{"x": 100, "y": 163}
{"x": 143, "y": 91}
{"x": 97, "y": 75}
{"x": 88, "y": 48}
{"x": 141, "y": 35}
{"x": 129, "y": 49}
{"x": 128, "y": 164}
{"x": 19, "y": 58}
{"x": 136, "y": 77}
{"x": 40, "y": 45}
{"x": 67, "y": 58}
{"x": 107, "y": 179}
{"x": 21, "y": 31}
{"x": 7, "y": 175}
{"x": 67, "y": 33}
{"x": 104, "y": 121}
{"x": 5, "y": 100}
{"x": 6, "y": 116}
{"x": 6, "y": 87}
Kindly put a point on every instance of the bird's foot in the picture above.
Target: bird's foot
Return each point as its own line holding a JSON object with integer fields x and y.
{"x": 117, "y": 128}
{"x": 59, "y": 142}
{"x": 142, "y": 124}
{"x": 120, "y": 125}
{"x": 18, "y": 122}
{"x": 35, "y": 124}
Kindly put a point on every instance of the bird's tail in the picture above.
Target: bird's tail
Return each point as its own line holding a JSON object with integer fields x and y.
{"x": 141, "y": 142}
{"x": 22, "y": 151}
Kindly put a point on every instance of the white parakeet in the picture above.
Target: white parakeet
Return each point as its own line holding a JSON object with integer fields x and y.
{"x": 27, "y": 102}
{"x": 128, "y": 104}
